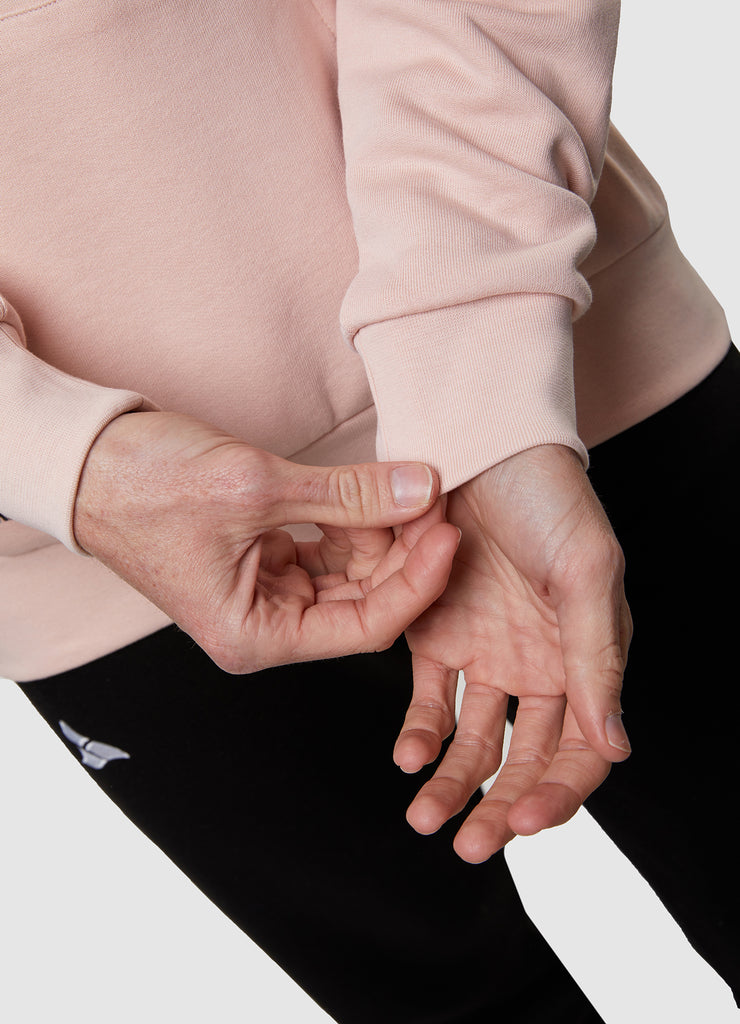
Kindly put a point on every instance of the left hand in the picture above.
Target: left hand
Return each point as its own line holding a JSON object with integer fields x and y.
{"x": 535, "y": 607}
{"x": 192, "y": 518}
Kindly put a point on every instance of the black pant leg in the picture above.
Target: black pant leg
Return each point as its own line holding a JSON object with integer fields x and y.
{"x": 277, "y": 795}
{"x": 669, "y": 485}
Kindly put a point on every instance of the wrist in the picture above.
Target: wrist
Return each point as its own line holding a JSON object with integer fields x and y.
{"x": 106, "y": 473}
{"x": 539, "y": 459}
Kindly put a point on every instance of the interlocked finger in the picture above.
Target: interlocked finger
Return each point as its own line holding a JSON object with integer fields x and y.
{"x": 353, "y": 553}
{"x": 277, "y": 551}
{"x": 336, "y": 588}
{"x": 374, "y": 619}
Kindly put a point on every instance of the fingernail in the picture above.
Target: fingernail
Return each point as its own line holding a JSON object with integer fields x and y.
{"x": 412, "y": 485}
{"x": 616, "y": 734}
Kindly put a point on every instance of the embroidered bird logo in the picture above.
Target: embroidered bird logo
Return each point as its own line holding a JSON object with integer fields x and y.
{"x": 94, "y": 754}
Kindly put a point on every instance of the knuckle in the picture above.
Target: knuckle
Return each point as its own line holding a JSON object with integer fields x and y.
{"x": 230, "y": 664}
{"x": 432, "y": 707}
{"x": 597, "y": 555}
{"x": 243, "y": 482}
{"x": 226, "y": 658}
{"x": 477, "y": 744}
{"x": 494, "y": 811}
{"x": 608, "y": 553}
{"x": 353, "y": 491}
{"x": 612, "y": 558}
{"x": 606, "y": 664}
{"x": 573, "y": 745}
{"x": 610, "y": 665}
{"x": 529, "y": 757}
{"x": 224, "y": 649}
{"x": 448, "y": 789}
{"x": 257, "y": 484}
{"x": 235, "y": 662}
{"x": 580, "y": 769}
{"x": 432, "y": 714}
{"x": 627, "y": 624}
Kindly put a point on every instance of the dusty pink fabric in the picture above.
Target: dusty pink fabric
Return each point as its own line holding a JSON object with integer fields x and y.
{"x": 332, "y": 231}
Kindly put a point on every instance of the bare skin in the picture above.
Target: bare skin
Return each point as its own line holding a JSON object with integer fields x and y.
{"x": 532, "y": 602}
{"x": 192, "y": 518}
{"x": 535, "y": 607}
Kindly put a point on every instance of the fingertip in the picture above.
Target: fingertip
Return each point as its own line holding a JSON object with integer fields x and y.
{"x": 619, "y": 744}
{"x": 424, "y": 816}
{"x": 603, "y": 730}
{"x": 547, "y": 806}
{"x": 408, "y": 756}
{"x": 432, "y": 555}
{"x": 473, "y": 844}
{"x": 442, "y": 541}
{"x": 445, "y": 535}
{"x": 416, "y": 748}
{"x": 528, "y": 815}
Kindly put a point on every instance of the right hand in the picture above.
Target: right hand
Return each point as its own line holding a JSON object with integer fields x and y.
{"x": 191, "y": 518}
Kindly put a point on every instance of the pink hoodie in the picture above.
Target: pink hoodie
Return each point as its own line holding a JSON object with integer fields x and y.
{"x": 334, "y": 231}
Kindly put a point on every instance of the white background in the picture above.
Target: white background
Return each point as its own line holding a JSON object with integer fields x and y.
{"x": 96, "y": 923}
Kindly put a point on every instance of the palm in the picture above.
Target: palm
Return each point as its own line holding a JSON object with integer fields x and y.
{"x": 534, "y": 609}
{"x": 494, "y": 621}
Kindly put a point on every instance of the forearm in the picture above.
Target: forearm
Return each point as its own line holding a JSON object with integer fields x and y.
{"x": 49, "y": 422}
{"x": 474, "y": 136}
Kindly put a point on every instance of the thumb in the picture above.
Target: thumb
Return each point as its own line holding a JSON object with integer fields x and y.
{"x": 595, "y": 629}
{"x": 366, "y": 495}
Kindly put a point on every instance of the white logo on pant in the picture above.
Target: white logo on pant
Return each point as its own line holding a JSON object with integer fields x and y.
{"x": 94, "y": 754}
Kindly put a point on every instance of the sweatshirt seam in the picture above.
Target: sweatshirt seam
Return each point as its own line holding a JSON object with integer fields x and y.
{"x": 6, "y": 333}
{"x": 427, "y": 310}
{"x": 634, "y": 249}
{"x": 332, "y": 430}
{"x": 28, "y": 10}
{"x": 317, "y": 11}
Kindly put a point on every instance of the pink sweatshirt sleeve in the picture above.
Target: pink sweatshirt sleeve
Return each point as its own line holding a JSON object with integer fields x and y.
{"x": 49, "y": 422}
{"x": 474, "y": 135}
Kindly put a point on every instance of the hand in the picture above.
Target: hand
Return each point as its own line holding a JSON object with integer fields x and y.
{"x": 535, "y": 607}
{"x": 190, "y": 517}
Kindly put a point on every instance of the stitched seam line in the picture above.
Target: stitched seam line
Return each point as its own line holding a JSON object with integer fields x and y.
{"x": 327, "y": 433}
{"x": 11, "y": 337}
{"x": 28, "y": 10}
{"x": 630, "y": 251}
{"x": 323, "y": 20}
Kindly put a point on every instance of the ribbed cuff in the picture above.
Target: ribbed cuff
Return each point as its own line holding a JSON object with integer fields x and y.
{"x": 464, "y": 387}
{"x": 49, "y": 423}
